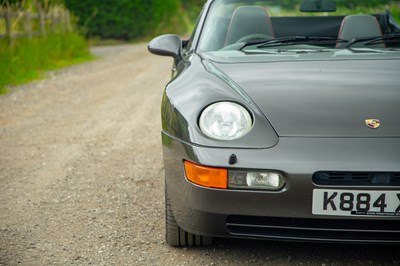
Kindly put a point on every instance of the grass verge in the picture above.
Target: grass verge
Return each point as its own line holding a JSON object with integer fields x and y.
{"x": 27, "y": 59}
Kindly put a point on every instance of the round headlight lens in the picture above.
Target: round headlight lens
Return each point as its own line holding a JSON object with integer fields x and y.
{"x": 225, "y": 121}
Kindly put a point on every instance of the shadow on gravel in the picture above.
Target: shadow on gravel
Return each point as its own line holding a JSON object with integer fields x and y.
{"x": 258, "y": 252}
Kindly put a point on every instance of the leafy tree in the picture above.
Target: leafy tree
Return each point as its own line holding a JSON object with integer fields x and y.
{"x": 365, "y": 3}
{"x": 192, "y": 7}
{"x": 122, "y": 19}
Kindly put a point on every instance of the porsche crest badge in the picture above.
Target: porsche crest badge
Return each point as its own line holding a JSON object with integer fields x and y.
{"x": 373, "y": 123}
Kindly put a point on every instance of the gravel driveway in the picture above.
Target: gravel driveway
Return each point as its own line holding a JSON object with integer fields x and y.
{"x": 81, "y": 176}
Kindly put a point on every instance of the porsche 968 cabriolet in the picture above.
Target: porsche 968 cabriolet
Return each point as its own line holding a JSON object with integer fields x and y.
{"x": 282, "y": 122}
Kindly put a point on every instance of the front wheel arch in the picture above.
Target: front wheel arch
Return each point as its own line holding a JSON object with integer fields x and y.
{"x": 176, "y": 236}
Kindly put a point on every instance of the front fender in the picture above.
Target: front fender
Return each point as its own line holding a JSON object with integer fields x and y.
{"x": 192, "y": 91}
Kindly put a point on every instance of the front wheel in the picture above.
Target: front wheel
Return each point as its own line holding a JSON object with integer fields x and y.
{"x": 176, "y": 236}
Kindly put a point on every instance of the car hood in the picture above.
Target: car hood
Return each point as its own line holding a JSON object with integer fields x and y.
{"x": 324, "y": 98}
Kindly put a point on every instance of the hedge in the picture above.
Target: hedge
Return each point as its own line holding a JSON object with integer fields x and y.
{"x": 123, "y": 19}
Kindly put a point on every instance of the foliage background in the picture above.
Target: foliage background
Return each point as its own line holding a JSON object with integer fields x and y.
{"x": 24, "y": 59}
{"x": 125, "y": 19}
{"x": 122, "y": 19}
{"x": 133, "y": 19}
{"x": 130, "y": 19}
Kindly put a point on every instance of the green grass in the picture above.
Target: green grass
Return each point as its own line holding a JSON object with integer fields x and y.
{"x": 28, "y": 59}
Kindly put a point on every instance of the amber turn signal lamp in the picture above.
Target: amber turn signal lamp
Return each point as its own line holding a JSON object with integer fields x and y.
{"x": 206, "y": 176}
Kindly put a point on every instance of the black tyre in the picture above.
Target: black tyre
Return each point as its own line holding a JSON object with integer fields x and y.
{"x": 177, "y": 237}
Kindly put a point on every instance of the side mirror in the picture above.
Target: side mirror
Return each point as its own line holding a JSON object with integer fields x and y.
{"x": 166, "y": 45}
{"x": 318, "y": 6}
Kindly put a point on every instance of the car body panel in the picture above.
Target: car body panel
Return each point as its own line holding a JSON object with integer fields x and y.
{"x": 310, "y": 107}
{"x": 205, "y": 211}
{"x": 334, "y": 100}
{"x": 181, "y": 112}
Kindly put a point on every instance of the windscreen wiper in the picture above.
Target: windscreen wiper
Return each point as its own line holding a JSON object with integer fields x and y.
{"x": 290, "y": 41}
{"x": 375, "y": 39}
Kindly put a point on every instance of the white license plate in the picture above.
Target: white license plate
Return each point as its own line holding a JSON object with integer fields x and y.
{"x": 356, "y": 203}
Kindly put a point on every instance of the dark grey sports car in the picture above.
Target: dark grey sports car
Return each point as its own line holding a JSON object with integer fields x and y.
{"x": 282, "y": 121}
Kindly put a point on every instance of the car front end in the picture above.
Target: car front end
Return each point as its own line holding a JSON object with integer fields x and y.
{"x": 276, "y": 135}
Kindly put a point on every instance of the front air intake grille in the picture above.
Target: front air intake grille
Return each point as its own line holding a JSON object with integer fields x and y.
{"x": 378, "y": 231}
{"x": 356, "y": 178}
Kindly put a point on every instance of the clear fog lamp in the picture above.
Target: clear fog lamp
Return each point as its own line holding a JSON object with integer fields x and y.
{"x": 262, "y": 180}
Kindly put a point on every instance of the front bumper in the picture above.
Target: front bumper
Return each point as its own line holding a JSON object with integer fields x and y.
{"x": 284, "y": 214}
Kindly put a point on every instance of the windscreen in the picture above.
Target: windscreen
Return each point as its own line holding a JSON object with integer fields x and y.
{"x": 236, "y": 24}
